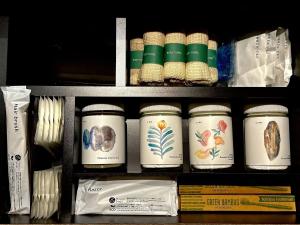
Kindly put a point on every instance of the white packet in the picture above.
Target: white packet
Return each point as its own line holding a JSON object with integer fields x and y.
{"x": 33, "y": 212}
{"x": 42, "y": 199}
{"x": 283, "y": 65}
{"x": 51, "y": 111}
{"x": 47, "y": 193}
{"x": 51, "y": 194}
{"x": 127, "y": 197}
{"x": 288, "y": 70}
{"x": 57, "y": 190}
{"x": 16, "y": 103}
{"x": 46, "y": 128}
{"x": 54, "y": 190}
{"x": 271, "y": 57}
{"x": 55, "y": 120}
{"x": 62, "y": 121}
{"x": 59, "y": 110}
{"x": 38, "y": 194}
{"x": 250, "y": 62}
{"x": 46, "y": 122}
{"x": 38, "y": 138}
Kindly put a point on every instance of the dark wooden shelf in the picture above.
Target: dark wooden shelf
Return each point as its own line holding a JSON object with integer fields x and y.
{"x": 193, "y": 218}
{"x": 25, "y": 219}
{"x": 182, "y": 218}
{"x": 40, "y": 44}
{"x": 105, "y": 219}
{"x": 163, "y": 92}
{"x": 205, "y": 177}
{"x": 90, "y": 173}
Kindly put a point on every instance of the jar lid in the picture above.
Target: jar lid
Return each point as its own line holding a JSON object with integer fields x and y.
{"x": 195, "y": 108}
{"x": 266, "y": 108}
{"x": 170, "y": 107}
{"x": 103, "y": 107}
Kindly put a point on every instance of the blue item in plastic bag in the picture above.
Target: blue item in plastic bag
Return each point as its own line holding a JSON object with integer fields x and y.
{"x": 225, "y": 61}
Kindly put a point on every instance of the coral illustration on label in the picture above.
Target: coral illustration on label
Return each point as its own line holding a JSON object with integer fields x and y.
{"x": 160, "y": 139}
{"x": 99, "y": 138}
{"x": 204, "y": 137}
{"x": 272, "y": 140}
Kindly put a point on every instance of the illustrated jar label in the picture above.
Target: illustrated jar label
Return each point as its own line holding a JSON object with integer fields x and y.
{"x": 210, "y": 139}
{"x": 103, "y": 139}
{"x": 161, "y": 140}
{"x": 267, "y": 141}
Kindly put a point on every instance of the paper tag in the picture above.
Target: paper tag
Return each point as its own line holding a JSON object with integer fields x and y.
{"x": 161, "y": 140}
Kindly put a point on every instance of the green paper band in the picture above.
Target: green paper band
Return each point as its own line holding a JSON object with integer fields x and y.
{"x": 153, "y": 54}
{"x": 197, "y": 53}
{"x": 136, "y": 59}
{"x": 175, "y": 52}
{"x": 212, "y": 58}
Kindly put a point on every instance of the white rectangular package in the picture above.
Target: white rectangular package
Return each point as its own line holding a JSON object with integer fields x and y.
{"x": 271, "y": 55}
{"x": 250, "y": 62}
{"x": 16, "y": 103}
{"x": 264, "y": 60}
{"x": 283, "y": 64}
{"x": 127, "y": 197}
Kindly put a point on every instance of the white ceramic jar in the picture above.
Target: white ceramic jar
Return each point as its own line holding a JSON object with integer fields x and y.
{"x": 103, "y": 136}
{"x": 210, "y": 136}
{"x": 161, "y": 136}
{"x": 267, "y": 137}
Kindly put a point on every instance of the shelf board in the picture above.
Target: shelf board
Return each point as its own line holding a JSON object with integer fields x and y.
{"x": 217, "y": 177}
{"x": 182, "y": 218}
{"x": 79, "y": 170}
{"x": 238, "y": 218}
{"x": 88, "y": 174}
{"x": 171, "y": 173}
{"x": 25, "y": 219}
{"x": 163, "y": 92}
{"x": 105, "y": 219}
{"x": 193, "y": 218}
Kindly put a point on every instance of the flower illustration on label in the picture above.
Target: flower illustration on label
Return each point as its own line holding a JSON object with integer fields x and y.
{"x": 99, "y": 138}
{"x": 218, "y": 140}
{"x": 272, "y": 140}
{"x": 204, "y": 137}
{"x": 202, "y": 154}
{"x": 161, "y": 124}
{"x": 222, "y": 126}
{"x": 160, "y": 140}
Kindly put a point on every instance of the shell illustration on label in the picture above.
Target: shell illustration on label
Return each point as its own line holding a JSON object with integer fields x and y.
{"x": 272, "y": 140}
{"x": 99, "y": 138}
{"x": 204, "y": 137}
{"x": 160, "y": 139}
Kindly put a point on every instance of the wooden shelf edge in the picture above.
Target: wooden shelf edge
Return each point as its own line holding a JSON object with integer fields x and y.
{"x": 181, "y": 219}
{"x": 163, "y": 92}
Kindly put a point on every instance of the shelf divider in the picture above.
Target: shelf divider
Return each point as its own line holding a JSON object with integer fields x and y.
{"x": 120, "y": 52}
{"x": 67, "y": 169}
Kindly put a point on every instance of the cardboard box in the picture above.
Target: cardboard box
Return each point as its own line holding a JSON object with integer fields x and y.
{"x": 216, "y": 189}
{"x": 238, "y": 218}
{"x": 265, "y": 203}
